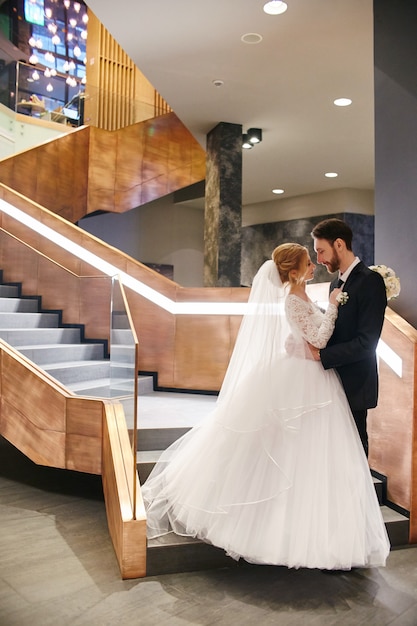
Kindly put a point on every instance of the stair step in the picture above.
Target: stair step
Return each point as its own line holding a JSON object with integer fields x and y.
{"x": 62, "y": 352}
{"x": 145, "y": 461}
{"x": 78, "y": 371}
{"x": 17, "y": 337}
{"x": 100, "y": 388}
{"x": 19, "y": 305}
{"x": 9, "y": 291}
{"x": 28, "y": 320}
{"x": 172, "y": 554}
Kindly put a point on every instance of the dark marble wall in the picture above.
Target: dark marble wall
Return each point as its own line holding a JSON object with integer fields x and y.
{"x": 223, "y": 206}
{"x": 395, "y": 51}
{"x": 259, "y": 240}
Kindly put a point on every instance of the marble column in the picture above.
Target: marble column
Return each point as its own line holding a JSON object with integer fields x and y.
{"x": 223, "y": 206}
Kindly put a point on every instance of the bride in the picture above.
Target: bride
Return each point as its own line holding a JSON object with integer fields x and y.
{"x": 276, "y": 474}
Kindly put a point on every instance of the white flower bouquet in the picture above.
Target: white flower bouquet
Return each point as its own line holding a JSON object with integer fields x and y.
{"x": 392, "y": 282}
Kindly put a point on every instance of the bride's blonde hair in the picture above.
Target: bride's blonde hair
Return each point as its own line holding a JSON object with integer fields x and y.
{"x": 291, "y": 260}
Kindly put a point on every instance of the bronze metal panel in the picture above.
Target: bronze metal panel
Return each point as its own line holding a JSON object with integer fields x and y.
{"x": 392, "y": 425}
{"x": 25, "y": 389}
{"x": 44, "y": 447}
{"x": 83, "y": 454}
{"x": 202, "y": 348}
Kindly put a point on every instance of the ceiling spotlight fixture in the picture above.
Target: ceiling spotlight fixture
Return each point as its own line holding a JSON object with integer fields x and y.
{"x": 331, "y": 175}
{"x": 253, "y": 136}
{"x": 342, "y": 102}
{"x": 246, "y": 144}
{"x": 218, "y": 82}
{"x": 277, "y": 191}
{"x": 275, "y": 7}
{"x": 251, "y": 38}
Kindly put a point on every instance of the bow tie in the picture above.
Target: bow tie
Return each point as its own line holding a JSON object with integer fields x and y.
{"x": 340, "y": 282}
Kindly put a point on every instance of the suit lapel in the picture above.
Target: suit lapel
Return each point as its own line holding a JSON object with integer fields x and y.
{"x": 356, "y": 270}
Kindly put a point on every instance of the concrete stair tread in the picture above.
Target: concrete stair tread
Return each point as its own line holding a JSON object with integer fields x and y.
{"x": 42, "y": 346}
{"x": 389, "y": 516}
{"x": 173, "y": 553}
{"x": 87, "y": 363}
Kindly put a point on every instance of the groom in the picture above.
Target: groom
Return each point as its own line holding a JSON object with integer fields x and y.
{"x": 351, "y": 348}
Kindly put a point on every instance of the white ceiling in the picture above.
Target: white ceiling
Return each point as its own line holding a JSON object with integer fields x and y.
{"x": 317, "y": 51}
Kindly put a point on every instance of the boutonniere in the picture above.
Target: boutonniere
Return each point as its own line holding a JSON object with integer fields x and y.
{"x": 391, "y": 280}
{"x": 342, "y": 297}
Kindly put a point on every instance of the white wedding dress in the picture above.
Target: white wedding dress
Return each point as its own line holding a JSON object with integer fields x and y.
{"x": 276, "y": 474}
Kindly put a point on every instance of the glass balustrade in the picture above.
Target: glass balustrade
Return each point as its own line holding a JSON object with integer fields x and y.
{"x": 33, "y": 91}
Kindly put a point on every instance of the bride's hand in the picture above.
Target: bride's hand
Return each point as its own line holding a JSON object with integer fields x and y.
{"x": 333, "y": 296}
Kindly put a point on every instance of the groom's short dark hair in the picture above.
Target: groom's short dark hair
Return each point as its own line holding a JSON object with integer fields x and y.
{"x": 332, "y": 229}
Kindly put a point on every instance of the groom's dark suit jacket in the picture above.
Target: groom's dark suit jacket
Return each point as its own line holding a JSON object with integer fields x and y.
{"x": 351, "y": 348}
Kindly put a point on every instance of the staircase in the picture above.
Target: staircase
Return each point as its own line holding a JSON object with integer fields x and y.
{"x": 60, "y": 350}
{"x": 171, "y": 553}
{"x": 84, "y": 368}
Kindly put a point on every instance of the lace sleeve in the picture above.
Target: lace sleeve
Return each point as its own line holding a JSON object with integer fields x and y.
{"x": 313, "y": 325}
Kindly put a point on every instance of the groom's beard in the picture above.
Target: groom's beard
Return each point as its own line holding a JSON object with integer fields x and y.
{"x": 334, "y": 264}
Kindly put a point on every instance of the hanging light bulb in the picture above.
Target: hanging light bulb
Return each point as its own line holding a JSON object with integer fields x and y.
{"x": 48, "y": 13}
{"x": 84, "y": 80}
{"x": 52, "y": 28}
{"x": 53, "y": 72}
{"x": 67, "y": 4}
{"x": 47, "y": 73}
{"x": 77, "y": 51}
{"x": 49, "y": 57}
{"x": 66, "y": 66}
{"x": 49, "y": 87}
{"x": 56, "y": 40}
{"x": 70, "y": 37}
{"x": 77, "y": 7}
{"x": 85, "y": 18}
{"x": 33, "y": 59}
{"x": 32, "y": 42}
{"x": 35, "y": 75}
{"x": 71, "y": 65}
{"x": 73, "y": 22}
{"x": 84, "y": 34}
{"x": 68, "y": 81}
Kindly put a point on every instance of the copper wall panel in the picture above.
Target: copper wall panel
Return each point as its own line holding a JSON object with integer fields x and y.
{"x": 128, "y": 184}
{"x": 90, "y": 169}
{"x": 77, "y": 421}
{"x": 102, "y": 171}
{"x": 202, "y": 348}
{"x": 44, "y": 447}
{"x": 23, "y": 389}
{"x": 94, "y": 307}
{"x": 392, "y": 425}
{"x": 83, "y": 454}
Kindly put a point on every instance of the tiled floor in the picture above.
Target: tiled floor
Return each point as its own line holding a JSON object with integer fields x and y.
{"x": 58, "y": 568}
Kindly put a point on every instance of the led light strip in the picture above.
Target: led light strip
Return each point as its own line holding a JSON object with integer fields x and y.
{"x": 175, "y": 308}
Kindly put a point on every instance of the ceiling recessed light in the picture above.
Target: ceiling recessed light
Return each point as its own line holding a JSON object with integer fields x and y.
{"x": 275, "y": 7}
{"x": 277, "y": 191}
{"x": 218, "y": 82}
{"x": 251, "y": 38}
{"x": 342, "y": 102}
{"x": 331, "y": 174}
